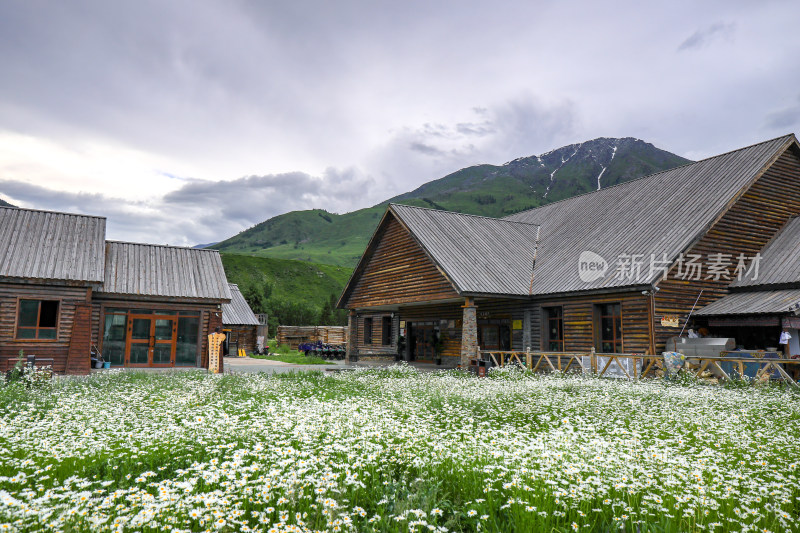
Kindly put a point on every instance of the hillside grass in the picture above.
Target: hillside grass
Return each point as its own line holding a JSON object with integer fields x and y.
{"x": 309, "y": 283}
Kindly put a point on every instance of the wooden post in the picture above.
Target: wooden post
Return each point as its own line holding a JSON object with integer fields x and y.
{"x": 529, "y": 359}
{"x": 469, "y": 332}
{"x": 352, "y": 337}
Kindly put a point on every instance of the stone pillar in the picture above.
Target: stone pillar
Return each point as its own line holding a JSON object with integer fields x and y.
{"x": 469, "y": 333}
{"x": 352, "y": 338}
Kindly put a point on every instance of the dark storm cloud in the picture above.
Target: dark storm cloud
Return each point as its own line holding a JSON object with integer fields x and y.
{"x": 702, "y": 38}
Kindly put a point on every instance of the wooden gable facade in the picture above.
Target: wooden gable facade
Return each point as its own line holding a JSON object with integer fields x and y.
{"x": 398, "y": 278}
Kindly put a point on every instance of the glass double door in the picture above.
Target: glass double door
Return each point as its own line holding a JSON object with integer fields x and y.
{"x": 151, "y": 340}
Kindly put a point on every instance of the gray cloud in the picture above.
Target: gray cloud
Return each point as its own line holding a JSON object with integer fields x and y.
{"x": 702, "y": 38}
{"x": 785, "y": 118}
{"x": 202, "y": 211}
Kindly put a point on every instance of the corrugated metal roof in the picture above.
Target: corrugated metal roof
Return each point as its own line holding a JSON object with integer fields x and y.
{"x": 780, "y": 259}
{"x": 753, "y": 302}
{"x": 237, "y": 311}
{"x": 659, "y": 214}
{"x": 51, "y": 246}
{"x": 168, "y": 271}
{"x": 478, "y": 254}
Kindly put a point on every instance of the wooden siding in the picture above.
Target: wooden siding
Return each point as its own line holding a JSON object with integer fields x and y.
{"x": 241, "y": 337}
{"x": 579, "y": 321}
{"x": 58, "y": 350}
{"x": 375, "y": 347}
{"x": 746, "y": 227}
{"x": 397, "y": 271}
{"x": 511, "y": 309}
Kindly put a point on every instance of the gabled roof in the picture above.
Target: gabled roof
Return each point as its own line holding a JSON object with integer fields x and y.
{"x": 664, "y": 213}
{"x": 237, "y": 312}
{"x": 164, "y": 271}
{"x": 46, "y": 245}
{"x": 780, "y": 260}
{"x": 479, "y": 255}
{"x": 753, "y": 302}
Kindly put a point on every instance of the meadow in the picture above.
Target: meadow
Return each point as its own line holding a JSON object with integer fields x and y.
{"x": 396, "y": 450}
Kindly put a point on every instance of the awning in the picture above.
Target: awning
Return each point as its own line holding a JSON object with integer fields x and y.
{"x": 755, "y": 302}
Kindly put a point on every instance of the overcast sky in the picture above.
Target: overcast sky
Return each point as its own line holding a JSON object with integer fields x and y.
{"x": 185, "y": 122}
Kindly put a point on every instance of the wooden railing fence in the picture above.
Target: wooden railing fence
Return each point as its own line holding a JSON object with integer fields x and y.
{"x": 635, "y": 366}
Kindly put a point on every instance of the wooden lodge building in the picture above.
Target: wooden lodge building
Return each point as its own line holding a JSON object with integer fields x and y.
{"x": 65, "y": 289}
{"x": 617, "y": 270}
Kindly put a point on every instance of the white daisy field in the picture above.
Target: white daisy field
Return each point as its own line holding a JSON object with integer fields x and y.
{"x": 396, "y": 450}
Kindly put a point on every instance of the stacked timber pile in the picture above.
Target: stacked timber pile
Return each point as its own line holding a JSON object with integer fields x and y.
{"x": 295, "y": 335}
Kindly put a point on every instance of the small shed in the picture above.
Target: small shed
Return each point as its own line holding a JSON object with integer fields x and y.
{"x": 239, "y": 323}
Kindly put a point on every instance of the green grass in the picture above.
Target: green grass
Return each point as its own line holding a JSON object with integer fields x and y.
{"x": 285, "y": 354}
{"x": 394, "y": 451}
{"x": 294, "y": 359}
{"x": 290, "y": 280}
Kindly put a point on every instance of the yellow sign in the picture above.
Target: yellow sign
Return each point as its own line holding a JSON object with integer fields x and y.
{"x": 671, "y": 321}
{"x": 517, "y": 324}
{"x": 402, "y": 323}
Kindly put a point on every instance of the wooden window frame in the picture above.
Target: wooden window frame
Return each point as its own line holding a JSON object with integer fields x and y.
{"x": 598, "y": 328}
{"x": 386, "y": 336}
{"x": 368, "y": 328}
{"x": 546, "y": 327}
{"x": 20, "y": 299}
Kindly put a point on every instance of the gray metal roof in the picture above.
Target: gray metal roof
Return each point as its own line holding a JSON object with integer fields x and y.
{"x": 753, "y": 302}
{"x": 780, "y": 259}
{"x": 663, "y": 213}
{"x": 47, "y": 245}
{"x": 479, "y": 254}
{"x": 164, "y": 271}
{"x": 237, "y": 312}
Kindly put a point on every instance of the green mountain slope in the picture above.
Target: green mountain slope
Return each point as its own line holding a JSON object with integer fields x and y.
{"x": 489, "y": 190}
{"x": 290, "y": 292}
{"x": 3, "y": 203}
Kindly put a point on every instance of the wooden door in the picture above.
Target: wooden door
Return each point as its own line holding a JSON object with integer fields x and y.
{"x": 489, "y": 336}
{"x": 151, "y": 340}
{"x": 423, "y": 347}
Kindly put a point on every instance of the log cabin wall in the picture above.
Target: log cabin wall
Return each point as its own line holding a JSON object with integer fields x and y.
{"x": 244, "y": 336}
{"x": 447, "y": 319}
{"x": 397, "y": 271}
{"x": 373, "y": 347}
{"x": 749, "y": 224}
{"x": 579, "y": 321}
{"x": 58, "y": 349}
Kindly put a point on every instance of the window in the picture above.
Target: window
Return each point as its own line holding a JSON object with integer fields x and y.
{"x": 608, "y": 327}
{"x": 553, "y": 329}
{"x": 368, "y": 331}
{"x": 37, "y": 319}
{"x": 386, "y": 331}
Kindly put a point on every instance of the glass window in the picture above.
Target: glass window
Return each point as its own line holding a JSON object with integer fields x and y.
{"x": 553, "y": 329}
{"x": 368, "y": 330}
{"x": 114, "y": 339}
{"x": 608, "y": 319}
{"x": 37, "y": 319}
{"x": 386, "y": 331}
{"x": 186, "y": 347}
